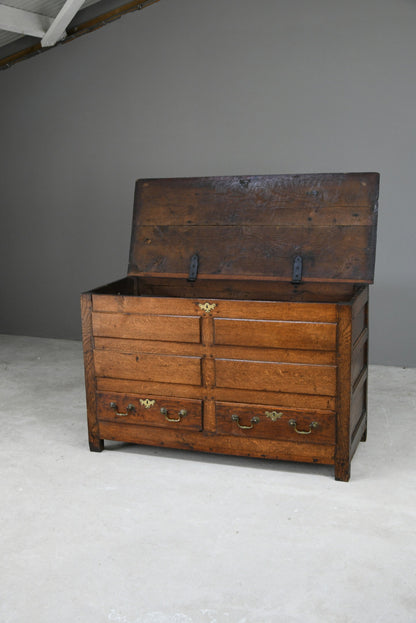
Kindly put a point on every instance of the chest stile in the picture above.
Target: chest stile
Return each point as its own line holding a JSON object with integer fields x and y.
{"x": 241, "y": 326}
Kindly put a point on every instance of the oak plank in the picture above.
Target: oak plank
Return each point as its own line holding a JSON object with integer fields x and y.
{"x": 283, "y": 355}
{"x": 262, "y": 310}
{"x": 95, "y": 440}
{"x": 221, "y": 444}
{"x": 144, "y": 305}
{"x": 270, "y": 376}
{"x": 147, "y": 326}
{"x": 145, "y": 367}
{"x": 339, "y": 253}
{"x": 243, "y": 289}
{"x": 275, "y": 333}
{"x": 149, "y": 388}
{"x": 280, "y": 399}
{"x": 344, "y": 390}
{"x": 249, "y": 199}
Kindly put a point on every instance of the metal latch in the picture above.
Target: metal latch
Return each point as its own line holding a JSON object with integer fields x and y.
{"x": 297, "y": 270}
{"x": 193, "y": 267}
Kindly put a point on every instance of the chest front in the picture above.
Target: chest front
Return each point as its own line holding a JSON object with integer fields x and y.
{"x": 242, "y": 325}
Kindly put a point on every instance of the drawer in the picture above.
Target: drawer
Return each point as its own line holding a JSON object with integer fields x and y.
{"x": 270, "y": 376}
{"x": 271, "y": 422}
{"x": 148, "y": 367}
{"x": 275, "y": 334}
{"x": 147, "y": 327}
{"x": 150, "y": 410}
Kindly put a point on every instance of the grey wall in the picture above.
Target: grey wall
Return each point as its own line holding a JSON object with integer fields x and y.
{"x": 203, "y": 87}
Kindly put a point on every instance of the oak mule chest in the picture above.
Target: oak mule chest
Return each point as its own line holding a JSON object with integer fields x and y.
{"x": 242, "y": 325}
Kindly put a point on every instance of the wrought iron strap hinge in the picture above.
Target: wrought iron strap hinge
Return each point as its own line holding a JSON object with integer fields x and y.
{"x": 297, "y": 270}
{"x": 193, "y": 268}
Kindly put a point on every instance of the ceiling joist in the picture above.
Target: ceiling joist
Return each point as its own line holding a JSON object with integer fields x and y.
{"x": 57, "y": 29}
{"x": 24, "y": 22}
{"x": 73, "y": 30}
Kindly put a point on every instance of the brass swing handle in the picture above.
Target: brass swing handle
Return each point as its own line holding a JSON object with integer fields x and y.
{"x": 312, "y": 425}
{"x": 114, "y": 406}
{"x": 181, "y": 414}
{"x": 254, "y": 420}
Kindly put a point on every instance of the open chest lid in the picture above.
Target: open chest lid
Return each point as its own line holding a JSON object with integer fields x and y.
{"x": 312, "y": 227}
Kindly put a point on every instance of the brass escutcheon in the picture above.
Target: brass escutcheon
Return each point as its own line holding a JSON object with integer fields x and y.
{"x": 273, "y": 415}
{"x": 146, "y": 403}
{"x": 207, "y": 307}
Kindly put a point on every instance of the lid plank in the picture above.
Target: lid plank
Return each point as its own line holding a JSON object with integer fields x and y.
{"x": 254, "y": 226}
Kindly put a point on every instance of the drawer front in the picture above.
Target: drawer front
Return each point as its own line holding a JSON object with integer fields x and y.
{"x": 276, "y": 377}
{"x": 275, "y": 334}
{"x": 271, "y": 422}
{"x": 147, "y": 327}
{"x": 150, "y": 410}
{"x": 147, "y": 367}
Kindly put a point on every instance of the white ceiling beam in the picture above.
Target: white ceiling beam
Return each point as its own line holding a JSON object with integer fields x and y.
{"x": 24, "y": 22}
{"x": 57, "y": 29}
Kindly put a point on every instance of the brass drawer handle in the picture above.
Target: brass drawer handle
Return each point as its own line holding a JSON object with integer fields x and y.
{"x": 181, "y": 414}
{"x": 303, "y": 432}
{"x": 114, "y": 406}
{"x": 254, "y": 420}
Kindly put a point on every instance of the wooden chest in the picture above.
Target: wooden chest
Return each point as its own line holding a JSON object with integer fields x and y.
{"x": 242, "y": 325}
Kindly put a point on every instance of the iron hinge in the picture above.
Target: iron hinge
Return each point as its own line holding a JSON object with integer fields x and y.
{"x": 297, "y": 270}
{"x": 193, "y": 268}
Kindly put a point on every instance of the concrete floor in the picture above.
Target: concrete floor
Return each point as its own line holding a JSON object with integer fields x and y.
{"x": 143, "y": 535}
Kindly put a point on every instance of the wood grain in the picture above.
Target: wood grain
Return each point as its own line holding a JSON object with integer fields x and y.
{"x": 151, "y": 415}
{"x": 255, "y": 310}
{"x": 357, "y": 408}
{"x": 221, "y": 444}
{"x": 217, "y": 351}
{"x": 275, "y": 334}
{"x": 280, "y": 399}
{"x": 146, "y": 326}
{"x": 249, "y": 199}
{"x": 95, "y": 441}
{"x": 328, "y": 219}
{"x": 359, "y": 357}
{"x": 144, "y": 367}
{"x": 243, "y": 289}
{"x": 269, "y": 376}
{"x": 344, "y": 390}
{"x": 329, "y": 253}
{"x": 360, "y": 307}
{"x": 208, "y": 373}
{"x": 278, "y": 429}
{"x": 132, "y": 386}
